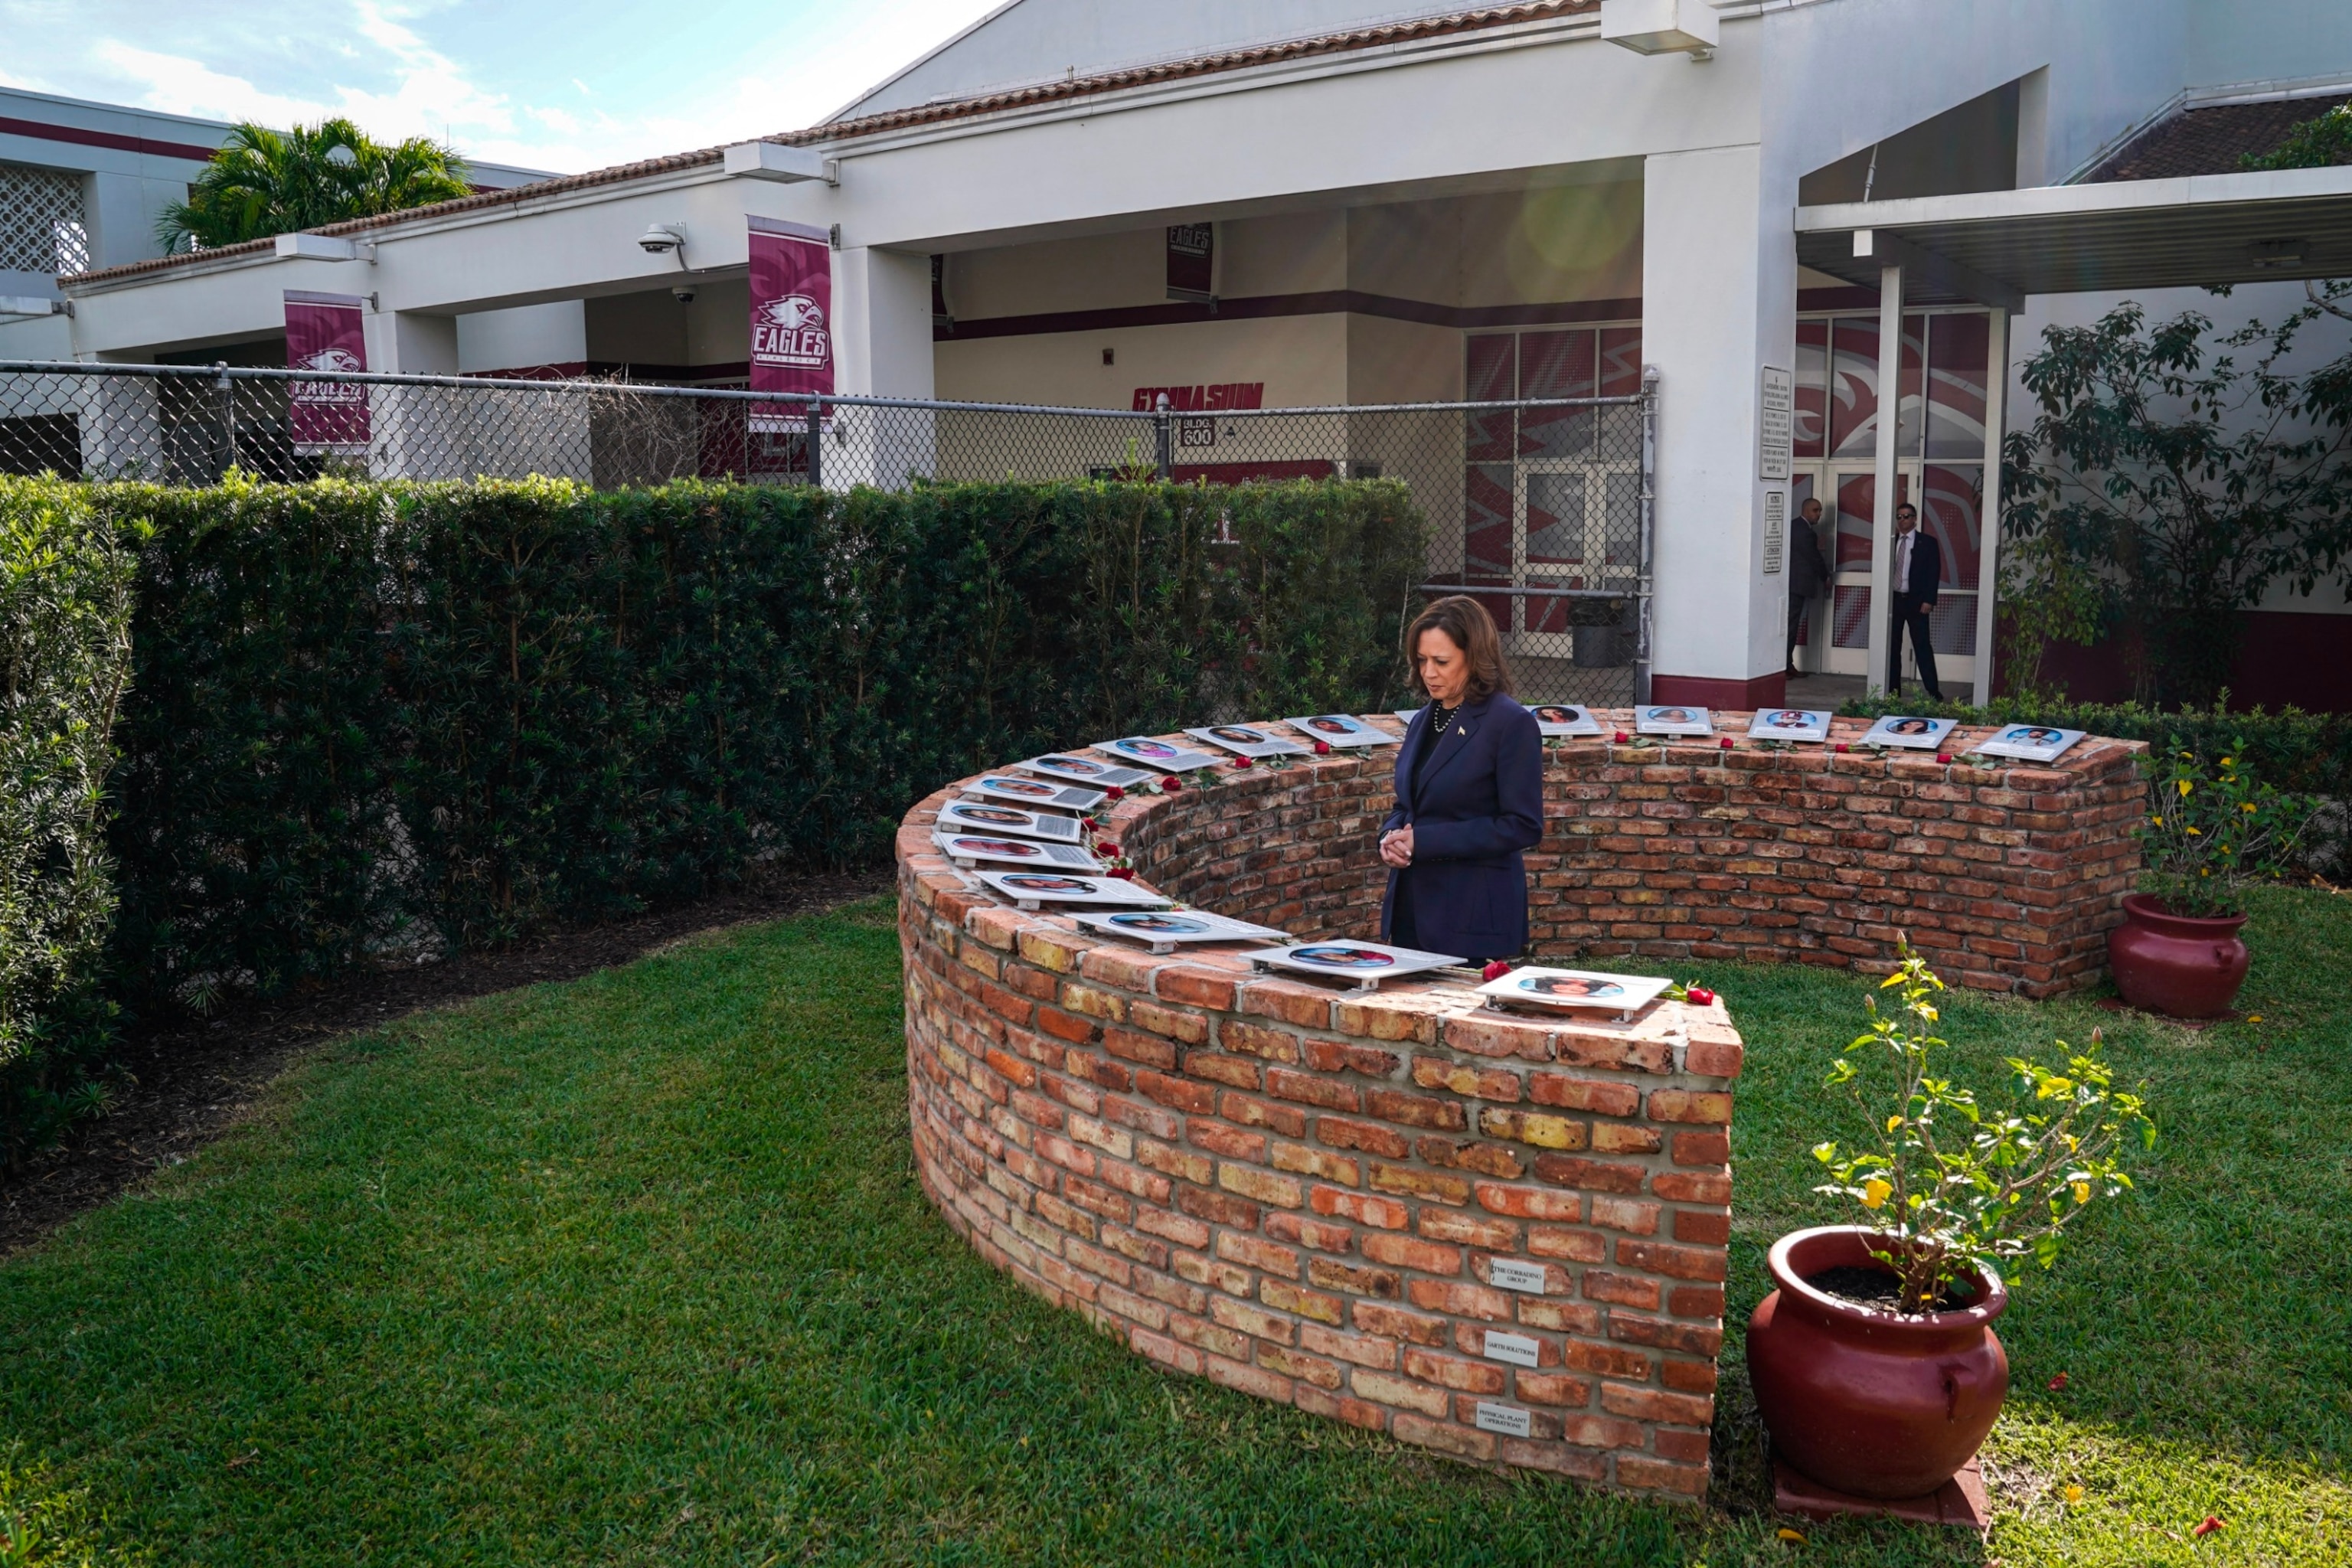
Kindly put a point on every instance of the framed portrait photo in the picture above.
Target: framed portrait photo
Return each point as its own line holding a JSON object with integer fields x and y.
{"x": 995, "y": 816}
{"x": 1033, "y": 890}
{"x": 1672, "y": 719}
{"x": 1908, "y": 730}
{"x": 1153, "y": 752}
{"x": 1565, "y": 719}
{"x": 1248, "y": 741}
{"x": 1565, "y": 989}
{"x": 1366, "y": 964}
{"x": 2031, "y": 742}
{"x": 1090, "y": 771}
{"x": 1788, "y": 724}
{"x": 1163, "y": 931}
{"x": 1000, "y": 849}
{"x": 1034, "y": 793}
{"x": 1340, "y": 730}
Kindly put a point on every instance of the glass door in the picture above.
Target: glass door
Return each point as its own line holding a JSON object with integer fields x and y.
{"x": 1939, "y": 442}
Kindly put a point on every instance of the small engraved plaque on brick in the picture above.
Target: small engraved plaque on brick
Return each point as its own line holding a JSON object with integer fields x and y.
{"x": 1516, "y": 1349}
{"x": 1506, "y": 1274}
{"x": 1503, "y": 1418}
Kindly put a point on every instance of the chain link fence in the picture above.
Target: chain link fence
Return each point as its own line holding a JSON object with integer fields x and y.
{"x": 1539, "y": 508}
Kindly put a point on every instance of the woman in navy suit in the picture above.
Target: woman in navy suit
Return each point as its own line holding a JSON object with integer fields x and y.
{"x": 1469, "y": 796}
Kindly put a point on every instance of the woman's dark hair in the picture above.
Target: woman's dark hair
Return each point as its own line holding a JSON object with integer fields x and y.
{"x": 1465, "y": 622}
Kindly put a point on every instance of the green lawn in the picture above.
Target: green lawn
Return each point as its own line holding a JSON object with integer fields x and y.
{"x": 635, "y": 1269}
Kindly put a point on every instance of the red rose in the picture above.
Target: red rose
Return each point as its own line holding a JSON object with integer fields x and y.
{"x": 2207, "y": 1528}
{"x": 1621, "y": 737}
{"x": 1841, "y": 745}
{"x": 1114, "y": 792}
{"x": 1121, "y": 872}
{"x": 1726, "y": 743}
{"x": 1105, "y": 847}
{"x": 1241, "y": 762}
{"x": 1171, "y": 784}
{"x": 1322, "y": 748}
{"x": 1943, "y": 756}
{"x": 1698, "y": 997}
{"x": 1495, "y": 970}
{"x": 2057, "y": 1382}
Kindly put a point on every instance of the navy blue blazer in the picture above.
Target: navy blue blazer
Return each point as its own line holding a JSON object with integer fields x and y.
{"x": 1480, "y": 807}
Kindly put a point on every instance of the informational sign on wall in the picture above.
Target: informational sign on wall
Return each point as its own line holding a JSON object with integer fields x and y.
{"x": 791, "y": 317}
{"x": 1777, "y": 427}
{"x": 1776, "y": 530}
{"x": 1191, "y": 261}
{"x": 324, "y": 331}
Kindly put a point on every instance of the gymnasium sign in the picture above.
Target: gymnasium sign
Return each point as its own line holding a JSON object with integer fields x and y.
{"x": 1211, "y": 398}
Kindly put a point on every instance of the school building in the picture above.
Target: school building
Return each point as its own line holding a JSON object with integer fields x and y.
{"x": 1296, "y": 203}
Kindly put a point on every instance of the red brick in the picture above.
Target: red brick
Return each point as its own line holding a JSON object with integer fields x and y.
{"x": 1494, "y": 1235}
{"x": 1622, "y": 1289}
{"x": 1631, "y": 1215}
{"x": 1583, "y": 1094}
{"x": 1696, "y": 1302}
{"x": 1533, "y": 1127}
{"x": 1306, "y": 1303}
{"x": 1652, "y": 1475}
{"x": 1594, "y": 1175}
{"x": 1284, "y": 1226}
{"x": 1451, "y": 1371}
{"x": 1196, "y": 1098}
{"x": 1307, "y": 1089}
{"x": 1337, "y": 1408}
{"x": 1200, "y": 987}
{"x": 1680, "y": 1262}
{"x": 1270, "y": 1044}
{"x": 1554, "y": 1388}
{"x": 1333, "y": 1275}
{"x": 1376, "y": 1352}
{"x": 1362, "y": 1135}
{"x": 1362, "y": 1207}
{"x": 1283, "y": 1119}
{"x": 1601, "y": 1432}
{"x": 1344, "y": 1056}
{"x": 1396, "y": 1323}
{"x": 1217, "y": 1208}
{"x": 1407, "y": 1252}
{"x": 1710, "y": 1107}
{"x": 1701, "y": 1147}
{"x": 1387, "y": 1389}
{"x": 1529, "y": 1203}
{"x": 1238, "y": 1072}
{"x": 1420, "y": 1184}
{"x": 1690, "y": 1376}
{"x": 1264, "y": 1185}
{"x": 1703, "y": 1227}
{"x": 1417, "y": 1110}
{"x": 1485, "y": 1083}
{"x": 1649, "y": 1404}
{"x": 1463, "y": 1300}
{"x": 1254, "y": 1252}
{"x": 1307, "y": 1369}
{"x": 1220, "y": 1138}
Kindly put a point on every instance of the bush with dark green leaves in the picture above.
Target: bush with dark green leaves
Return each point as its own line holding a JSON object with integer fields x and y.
{"x": 375, "y": 719}
{"x": 65, "y": 617}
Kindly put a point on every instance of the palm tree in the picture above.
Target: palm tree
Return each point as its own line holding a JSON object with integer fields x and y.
{"x": 266, "y": 182}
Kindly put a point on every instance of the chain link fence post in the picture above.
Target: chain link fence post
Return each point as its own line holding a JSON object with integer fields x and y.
{"x": 1163, "y": 427}
{"x": 228, "y": 389}
{"x": 1646, "y": 583}
{"x": 815, "y": 446}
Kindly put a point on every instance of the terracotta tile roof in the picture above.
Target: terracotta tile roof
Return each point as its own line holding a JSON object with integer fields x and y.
{"x": 1372, "y": 38}
{"x": 1403, "y": 32}
{"x": 2208, "y": 141}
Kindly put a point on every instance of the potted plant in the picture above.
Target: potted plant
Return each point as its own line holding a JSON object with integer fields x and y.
{"x": 2209, "y": 831}
{"x": 1874, "y": 1363}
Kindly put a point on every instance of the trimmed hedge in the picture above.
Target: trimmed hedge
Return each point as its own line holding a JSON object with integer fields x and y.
{"x": 65, "y": 615}
{"x": 2299, "y": 752}
{"x": 377, "y": 718}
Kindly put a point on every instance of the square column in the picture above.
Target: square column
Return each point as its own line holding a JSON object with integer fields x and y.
{"x": 415, "y": 432}
{"x": 1718, "y": 302}
{"x": 882, "y": 348}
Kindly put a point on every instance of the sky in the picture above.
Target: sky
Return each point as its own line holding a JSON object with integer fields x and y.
{"x": 544, "y": 84}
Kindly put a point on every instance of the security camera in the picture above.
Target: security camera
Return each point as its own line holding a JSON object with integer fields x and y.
{"x": 660, "y": 239}
{"x": 683, "y": 293}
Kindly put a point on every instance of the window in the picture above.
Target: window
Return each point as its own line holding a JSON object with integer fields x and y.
{"x": 41, "y": 228}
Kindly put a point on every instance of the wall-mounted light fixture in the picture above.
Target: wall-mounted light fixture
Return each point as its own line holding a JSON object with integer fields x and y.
{"x": 1663, "y": 26}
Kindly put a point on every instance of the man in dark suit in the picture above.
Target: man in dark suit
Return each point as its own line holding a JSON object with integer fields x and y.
{"x": 1918, "y": 570}
{"x": 1808, "y": 572}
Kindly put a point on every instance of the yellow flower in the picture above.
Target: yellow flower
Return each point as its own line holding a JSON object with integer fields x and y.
{"x": 1793, "y": 1537}
{"x": 2194, "y": 833}
{"x": 2247, "y": 806}
{"x": 2073, "y": 1493}
{"x": 2082, "y": 1191}
{"x": 2253, "y": 1018}
{"x": 2185, "y": 787}
{"x": 1892, "y": 1123}
{"x": 2156, "y": 822}
{"x": 2228, "y": 762}
{"x": 1874, "y": 1192}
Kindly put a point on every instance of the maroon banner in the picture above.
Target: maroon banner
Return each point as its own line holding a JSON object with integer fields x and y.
{"x": 791, "y": 317}
{"x": 1191, "y": 260}
{"x": 323, "y": 332}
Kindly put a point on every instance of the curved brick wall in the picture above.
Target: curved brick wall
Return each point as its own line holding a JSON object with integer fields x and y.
{"x": 1305, "y": 1195}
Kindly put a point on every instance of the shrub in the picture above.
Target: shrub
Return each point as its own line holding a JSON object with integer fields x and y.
{"x": 2212, "y": 828}
{"x": 1948, "y": 1183}
{"x": 375, "y": 717}
{"x": 65, "y": 611}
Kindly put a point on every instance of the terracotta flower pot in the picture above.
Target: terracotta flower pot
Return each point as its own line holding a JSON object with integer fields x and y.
{"x": 2178, "y": 965}
{"x": 1867, "y": 1401}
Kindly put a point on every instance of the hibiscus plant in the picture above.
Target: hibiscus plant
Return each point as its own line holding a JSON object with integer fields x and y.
{"x": 2212, "y": 829}
{"x": 1949, "y": 1185}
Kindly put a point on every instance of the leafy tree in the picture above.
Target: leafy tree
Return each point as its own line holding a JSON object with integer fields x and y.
{"x": 2164, "y": 486}
{"x": 266, "y": 182}
{"x": 2317, "y": 143}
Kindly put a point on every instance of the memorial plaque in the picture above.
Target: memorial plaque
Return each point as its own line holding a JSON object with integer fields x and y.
{"x": 1506, "y": 1419}
{"x": 1340, "y": 730}
{"x": 1776, "y": 530}
{"x": 1506, "y": 1274}
{"x": 1152, "y": 752}
{"x": 1909, "y": 730}
{"x": 1776, "y": 426}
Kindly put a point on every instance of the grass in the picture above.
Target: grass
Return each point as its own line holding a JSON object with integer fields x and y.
{"x": 635, "y": 1269}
